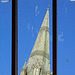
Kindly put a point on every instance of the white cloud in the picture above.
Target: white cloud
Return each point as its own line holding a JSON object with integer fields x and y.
{"x": 28, "y": 27}
{"x": 32, "y": 27}
{"x": 72, "y": 0}
{"x": 60, "y": 37}
{"x": 32, "y": 31}
{"x": 36, "y": 10}
{"x": 3, "y": 1}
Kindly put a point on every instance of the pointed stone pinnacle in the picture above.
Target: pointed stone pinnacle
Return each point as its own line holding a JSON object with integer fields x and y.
{"x": 40, "y": 52}
{"x": 47, "y": 8}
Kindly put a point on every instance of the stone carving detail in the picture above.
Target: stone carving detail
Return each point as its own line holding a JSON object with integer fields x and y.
{"x": 37, "y": 67}
{"x": 38, "y": 63}
{"x": 41, "y": 53}
{"x": 44, "y": 28}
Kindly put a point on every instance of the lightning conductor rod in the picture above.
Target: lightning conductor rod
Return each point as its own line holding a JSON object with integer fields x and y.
{"x": 14, "y": 37}
{"x": 54, "y": 37}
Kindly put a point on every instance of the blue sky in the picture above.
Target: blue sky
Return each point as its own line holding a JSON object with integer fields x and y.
{"x": 66, "y": 31}
{"x": 5, "y": 38}
{"x": 30, "y": 16}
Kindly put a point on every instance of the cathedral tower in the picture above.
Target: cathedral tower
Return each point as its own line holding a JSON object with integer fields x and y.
{"x": 38, "y": 63}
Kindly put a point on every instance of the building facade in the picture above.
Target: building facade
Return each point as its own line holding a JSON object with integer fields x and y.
{"x": 39, "y": 63}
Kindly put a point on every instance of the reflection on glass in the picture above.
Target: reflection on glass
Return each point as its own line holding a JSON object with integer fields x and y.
{"x": 4, "y": 1}
{"x": 5, "y": 38}
{"x": 34, "y": 21}
{"x": 66, "y": 37}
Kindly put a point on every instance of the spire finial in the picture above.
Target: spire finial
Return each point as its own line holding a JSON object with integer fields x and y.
{"x": 48, "y": 7}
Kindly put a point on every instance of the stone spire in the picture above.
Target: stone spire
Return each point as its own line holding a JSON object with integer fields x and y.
{"x": 23, "y": 70}
{"x": 38, "y": 63}
{"x": 42, "y": 38}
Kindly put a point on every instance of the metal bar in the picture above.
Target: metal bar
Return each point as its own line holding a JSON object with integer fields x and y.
{"x": 14, "y": 38}
{"x": 54, "y": 37}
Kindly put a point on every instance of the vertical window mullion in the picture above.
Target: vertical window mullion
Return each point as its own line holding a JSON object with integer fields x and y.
{"x": 14, "y": 37}
{"x": 54, "y": 37}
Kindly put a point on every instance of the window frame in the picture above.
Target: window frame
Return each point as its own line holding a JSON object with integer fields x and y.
{"x": 15, "y": 37}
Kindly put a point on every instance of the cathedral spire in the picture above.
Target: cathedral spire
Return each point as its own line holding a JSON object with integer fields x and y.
{"x": 42, "y": 38}
{"x": 23, "y": 70}
{"x": 38, "y": 63}
{"x": 46, "y": 19}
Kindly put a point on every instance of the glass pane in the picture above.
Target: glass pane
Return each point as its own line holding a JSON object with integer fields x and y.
{"x": 66, "y": 37}
{"x": 4, "y": 1}
{"x": 31, "y": 14}
{"x": 5, "y": 37}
